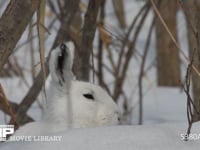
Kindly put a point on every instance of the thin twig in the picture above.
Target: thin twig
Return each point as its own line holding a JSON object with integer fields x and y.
{"x": 41, "y": 36}
{"x": 141, "y": 74}
{"x": 100, "y": 45}
{"x": 187, "y": 17}
{"x": 121, "y": 77}
{"x": 12, "y": 115}
{"x": 120, "y": 13}
{"x": 187, "y": 91}
{"x": 127, "y": 36}
{"x": 190, "y": 104}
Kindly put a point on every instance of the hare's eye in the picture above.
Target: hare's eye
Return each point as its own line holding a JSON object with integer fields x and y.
{"x": 89, "y": 96}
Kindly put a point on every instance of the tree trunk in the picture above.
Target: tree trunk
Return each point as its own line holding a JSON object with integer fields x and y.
{"x": 13, "y": 23}
{"x": 82, "y": 60}
{"x": 168, "y": 63}
{"x": 193, "y": 26}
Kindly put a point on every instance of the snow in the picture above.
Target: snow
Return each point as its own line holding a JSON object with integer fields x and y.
{"x": 151, "y": 137}
{"x": 169, "y": 105}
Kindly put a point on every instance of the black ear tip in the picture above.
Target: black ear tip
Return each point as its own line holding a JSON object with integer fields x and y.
{"x": 63, "y": 46}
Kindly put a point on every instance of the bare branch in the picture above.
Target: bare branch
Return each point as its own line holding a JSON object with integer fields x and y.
{"x": 12, "y": 25}
{"x": 126, "y": 38}
{"x": 119, "y": 11}
{"x": 5, "y": 100}
{"x": 14, "y": 107}
{"x": 192, "y": 111}
{"x": 121, "y": 76}
{"x": 141, "y": 74}
{"x": 100, "y": 46}
{"x": 41, "y": 35}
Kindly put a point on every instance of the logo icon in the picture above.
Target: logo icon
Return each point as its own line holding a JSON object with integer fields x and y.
{"x": 6, "y": 130}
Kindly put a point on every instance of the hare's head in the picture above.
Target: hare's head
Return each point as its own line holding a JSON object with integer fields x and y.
{"x": 92, "y": 106}
{"x": 79, "y": 104}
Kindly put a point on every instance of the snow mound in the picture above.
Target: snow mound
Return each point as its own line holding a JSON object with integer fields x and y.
{"x": 151, "y": 137}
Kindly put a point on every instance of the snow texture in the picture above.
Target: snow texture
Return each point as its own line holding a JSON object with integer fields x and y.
{"x": 151, "y": 137}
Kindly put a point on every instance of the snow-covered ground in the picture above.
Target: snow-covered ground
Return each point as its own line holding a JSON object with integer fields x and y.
{"x": 146, "y": 137}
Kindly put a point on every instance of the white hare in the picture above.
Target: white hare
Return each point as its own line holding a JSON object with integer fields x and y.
{"x": 71, "y": 103}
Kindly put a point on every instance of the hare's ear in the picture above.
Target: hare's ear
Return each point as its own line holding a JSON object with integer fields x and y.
{"x": 61, "y": 62}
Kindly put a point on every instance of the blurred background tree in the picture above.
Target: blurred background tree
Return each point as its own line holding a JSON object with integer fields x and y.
{"x": 168, "y": 62}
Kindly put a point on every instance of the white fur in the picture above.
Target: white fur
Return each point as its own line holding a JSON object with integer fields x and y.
{"x": 67, "y": 107}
